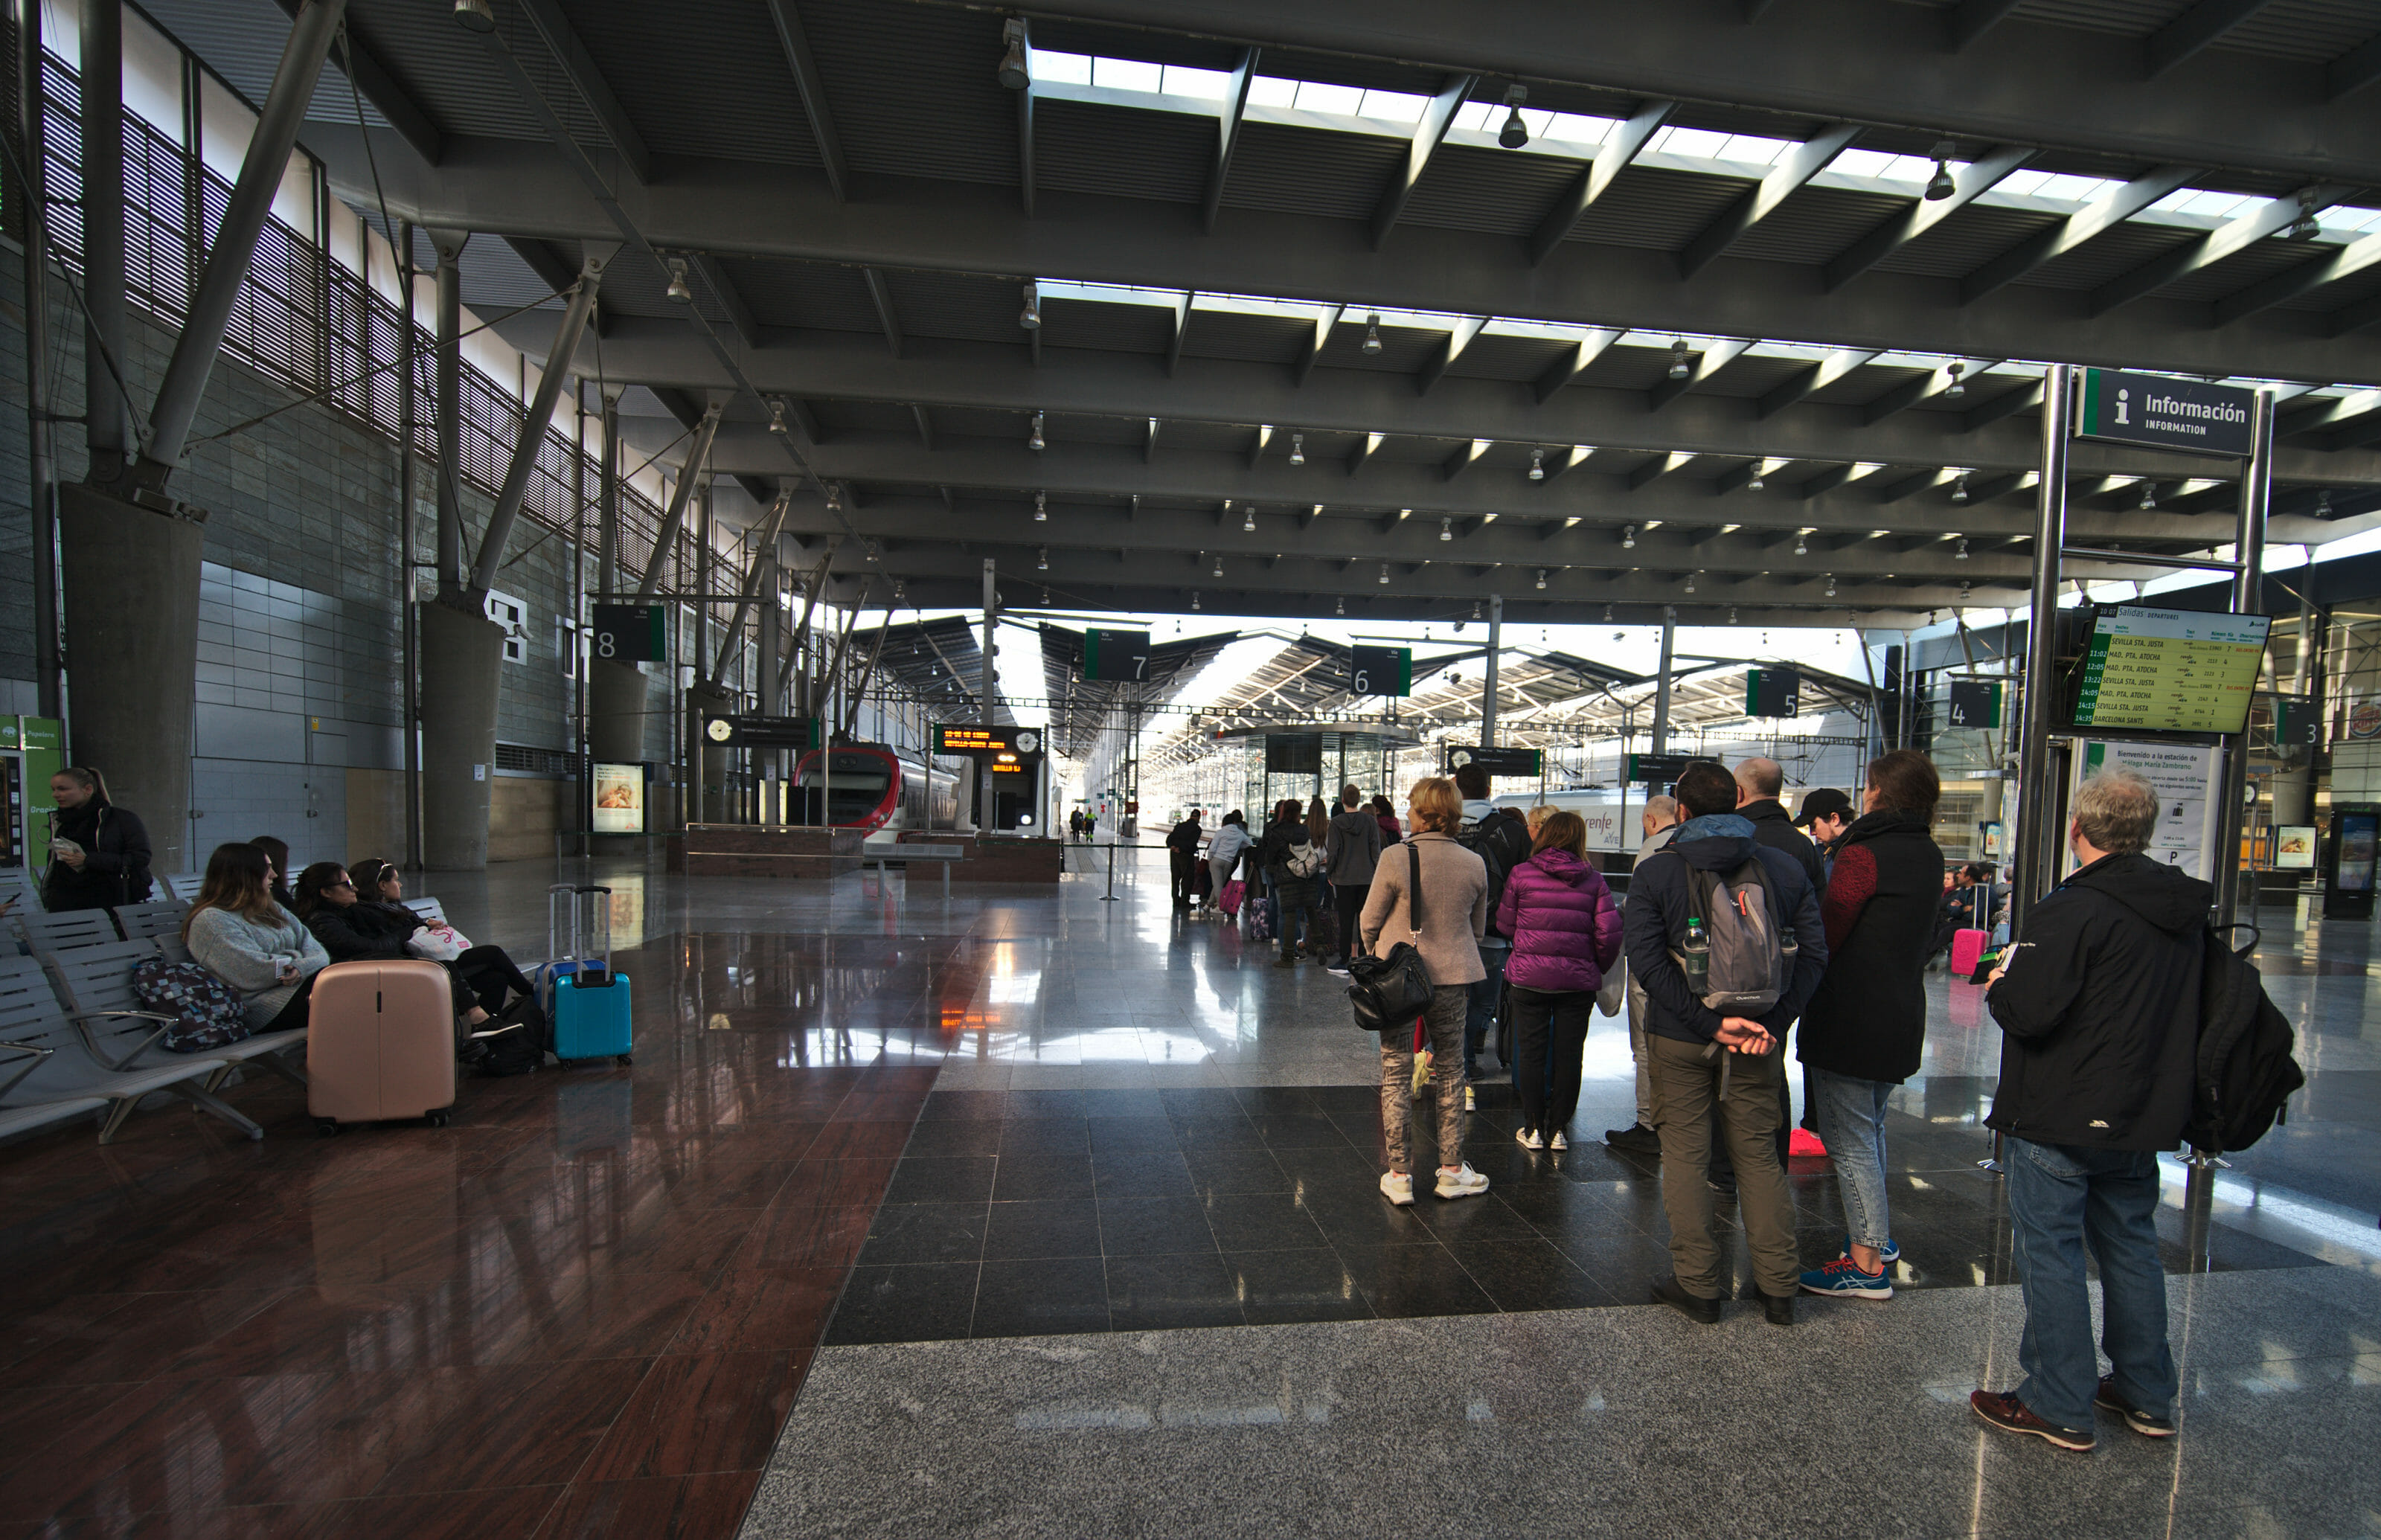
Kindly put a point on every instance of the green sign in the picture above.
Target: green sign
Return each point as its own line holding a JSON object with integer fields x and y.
{"x": 1975, "y": 703}
{"x": 631, "y": 633}
{"x": 2163, "y": 413}
{"x": 1498, "y": 761}
{"x": 1663, "y": 769}
{"x": 1110, "y": 655}
{"x": 1380, "y": 670}
{"x": 1773, "y": 691}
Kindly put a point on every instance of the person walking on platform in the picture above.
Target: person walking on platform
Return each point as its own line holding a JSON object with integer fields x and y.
{"x": 1293, "y": 863}
{"x": 1711, "y": 1068}
{"x": 1660, "y": 823}
{"x": 2099, "y": 1007}
{"x": 1864, "y": 1031}
{"x": 1386, "y": 816}
{"x": 1501, "y": 844}
{"x": 1223, "y": 851}
{"x": 98, "y": 852}
{"x": 1351, "y": 849}
{"x": 1182, "y": 856}
{"x": 1450, "y": 901}
{"x": 1566, "y": 932}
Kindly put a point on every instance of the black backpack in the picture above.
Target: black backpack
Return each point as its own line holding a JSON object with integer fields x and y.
{"x": 1501, "y": 844}
{"x": 2243, "y": 1074}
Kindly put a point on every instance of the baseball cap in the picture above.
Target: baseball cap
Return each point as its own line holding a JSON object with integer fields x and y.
{"x": 1827, "y": 801}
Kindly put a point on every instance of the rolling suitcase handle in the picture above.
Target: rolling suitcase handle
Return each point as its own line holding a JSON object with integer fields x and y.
{"x": 595, "y": 897}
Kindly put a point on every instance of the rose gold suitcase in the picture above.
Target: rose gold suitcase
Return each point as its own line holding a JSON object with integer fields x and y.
{"x": 380, "y": 1044}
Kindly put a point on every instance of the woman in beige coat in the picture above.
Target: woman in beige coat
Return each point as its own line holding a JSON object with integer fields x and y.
{"x": 1454, "y": 916}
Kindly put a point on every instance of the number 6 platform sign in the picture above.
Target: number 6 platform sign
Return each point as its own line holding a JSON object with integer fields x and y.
{"x": 1380, "y": 670}
{"x": 631, "y": 633}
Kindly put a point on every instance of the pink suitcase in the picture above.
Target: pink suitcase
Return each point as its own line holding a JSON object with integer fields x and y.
{"x": 1966, "y": 948}
{"x": 380, "y": 1044}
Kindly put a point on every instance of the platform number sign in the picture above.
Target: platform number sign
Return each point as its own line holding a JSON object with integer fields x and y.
{"x": 1975, "y": 703}
{"x": 1773, "y": 691}
{"x": 1109, "y": 655}
{"x": 631, "y": 633}
{"x": 1380, "y": 670}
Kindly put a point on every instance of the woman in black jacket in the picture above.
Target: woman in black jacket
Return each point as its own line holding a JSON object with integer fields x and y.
{"x": 98, "y": 852}
{"x": 488, "y": 969}
{"x": 353, "y": 932}
{"x": 1865, "y": 1027}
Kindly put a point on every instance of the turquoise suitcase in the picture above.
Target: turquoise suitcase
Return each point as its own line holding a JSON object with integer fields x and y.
{"x": 590, "y": 1004}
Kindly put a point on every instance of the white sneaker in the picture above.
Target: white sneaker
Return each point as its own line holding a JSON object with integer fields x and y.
{"x": 1528, "y": 1139}
{"x": 1468, "y": 1105}
{"x": 1461, "y": 1182}
{"x": 1398, "y": 1187}
{"x": 1558, "y": 1141}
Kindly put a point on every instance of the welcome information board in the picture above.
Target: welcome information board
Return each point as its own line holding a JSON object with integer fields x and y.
{"x": 2164, "y": 670}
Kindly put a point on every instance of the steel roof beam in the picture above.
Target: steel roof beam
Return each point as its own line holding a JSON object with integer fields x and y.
{"x": 1427, "y": 136}
{"x": 2104, "y": 214}
{"x": 1449, "y": 348}
{"x": 362, "y": 65}
{"x": 723, "y": 289}
{"x": 2233, "y": 236}
{"x": 1575, "y": 362}
{"x": 1970, "y": 183}
{"x": 811, "y": 88}
{"x": 2353, "y": 70}
{"x": 2194, "y": 30}
{"x": 1907, "y": 393}
{"x": 510, "y": 188}
{"x": 1227, "y": 138}
{"x": 558, "y": 273}
{"x": 880, "y": 293}
{"x": 1818, "y": 377}
{"x": 1710, "y": 361}
{"x": 2291, "y": 282}
{"x": 1596, "y": 177}
{"x": 594, "y": 92}
{"x": 1793, "y": 171}
{"x": 925, "y": 427}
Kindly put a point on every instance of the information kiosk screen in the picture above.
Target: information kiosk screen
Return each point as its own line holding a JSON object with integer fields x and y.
{"x": 2168, "y": 670}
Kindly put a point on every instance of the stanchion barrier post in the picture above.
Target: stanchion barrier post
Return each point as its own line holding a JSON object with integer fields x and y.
{"x": 1109, "y": 897}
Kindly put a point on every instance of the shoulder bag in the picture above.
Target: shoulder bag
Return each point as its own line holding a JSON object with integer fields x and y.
{"x": 1389, "y": 991}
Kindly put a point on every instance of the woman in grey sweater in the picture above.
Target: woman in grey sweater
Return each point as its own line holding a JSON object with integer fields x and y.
{"x": 237, "y": 933}
{"x": 1454, "y": 917}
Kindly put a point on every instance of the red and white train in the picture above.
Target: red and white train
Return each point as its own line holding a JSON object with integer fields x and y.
{"x": 882, "y": 791}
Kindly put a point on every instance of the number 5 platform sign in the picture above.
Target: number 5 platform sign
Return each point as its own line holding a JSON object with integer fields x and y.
{"x": 1380, "y": 670}
{"x": 631, "y": 633}
{"x": 1115, "y": 655}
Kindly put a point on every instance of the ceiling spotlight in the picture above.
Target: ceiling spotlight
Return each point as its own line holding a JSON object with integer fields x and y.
{"x": 1385, "y": 572}
{"x": 1031, "y": 317}
{"x": 899, "y": 594}
{"x": 1041, "y": 507}
{"x": 1963, "y": 592}
{"x": 1013, "y": 73}
{"x": 678, "y": 290}
{"x": 1731, "y": 615}
{"x": 777, "y": 418}
{"x": 2306, "y": 226}
{"x": 1297, "y": 448}
{"x": 1756, "y": 484}
{"x": 1691, "y": 582}
{"x": 2149, "y": 496}
{"x": 1940, "y": 186}
{"x": 1372, "y": 334}
{"x": 1035, "y": 442}
{"x": 1629, "y": 538}
{"x": 1608, "y": 615}
{"x": 1515, "y": 133}
{"x": 1679, "y": 368}
{"x": 1194, "y": 603}
{"x": 834, "y": 498}
{"x": 1219, "y": 564}
{"x": 1446, "y": 528}
{"x": 1340, "y": 605}
{"x": 1961, "y": 553}
{"x": 1802, "y": 546}
{"x": 1542, "y": 578}
{"x": 1537, "y": 465}
{"x": 2323, "y": 503}
{"x": 1475, "y": 609}
{"x": 873, "y": 553}
{"x": 1831, "y": 586}
{"x": 1960, "y": 488}
{"x": 1248, "y": 519}
{"x": 1954, "y": 387}
{"x": 1042, "y": 565}
{"x": 475, "y": 15}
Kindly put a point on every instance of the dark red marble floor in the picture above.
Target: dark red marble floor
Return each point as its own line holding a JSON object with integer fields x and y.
{"x": 583, "y": 1310}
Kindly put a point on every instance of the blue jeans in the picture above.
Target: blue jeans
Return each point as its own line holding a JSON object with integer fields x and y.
{"x": 2061, "y": 1197}
{"x": 1479, "y": 1011}
{"x": 1852, "y": 1120}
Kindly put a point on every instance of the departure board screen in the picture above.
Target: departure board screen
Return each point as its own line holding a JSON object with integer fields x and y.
{"x": 2168, "y": 670}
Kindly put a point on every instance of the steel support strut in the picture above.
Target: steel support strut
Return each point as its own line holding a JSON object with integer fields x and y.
{"x": 541, "y": 414}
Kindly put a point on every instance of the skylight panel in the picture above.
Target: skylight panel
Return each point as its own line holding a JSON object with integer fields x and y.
{"x": 1272, "y": 91}
{"x": 1127, "y": 75}
{"x": 2055, "y": 186}
{"x": 1578, "y": 129}
{"x": 1700, "y": 144}
{"x": 1207, "y": 85}
{"x": 1315, "y": 96}
{"x": 1108, "y": 294}
{"x": 1753, "y": 149}
{"x": 1068, "y": 69}
{"x": 2349, "y": 218}
{"x": 1393, "y": 106}
{"x": 2205, "y": 203}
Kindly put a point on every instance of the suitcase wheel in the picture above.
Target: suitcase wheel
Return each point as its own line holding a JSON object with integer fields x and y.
{"x": 327, "y": 1128}
{"x": 625, "y": 1059}
{"x": 439, "y": 1118}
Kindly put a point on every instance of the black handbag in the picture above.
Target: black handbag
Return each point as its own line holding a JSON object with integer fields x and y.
{"x": 1389, "y": 991}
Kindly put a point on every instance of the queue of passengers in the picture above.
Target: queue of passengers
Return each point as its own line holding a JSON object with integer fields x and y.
{"x": 2098, "y": 1017}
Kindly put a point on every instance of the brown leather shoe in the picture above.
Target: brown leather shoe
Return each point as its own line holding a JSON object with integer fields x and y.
{"x": 1669, "y": 1291}
{"x": 2005, "y": 1411}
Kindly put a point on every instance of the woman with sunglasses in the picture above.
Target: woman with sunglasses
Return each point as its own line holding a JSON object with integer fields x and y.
{"x": 353, "y": 932}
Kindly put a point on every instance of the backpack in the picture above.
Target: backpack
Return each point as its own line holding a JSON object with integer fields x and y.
{"x": 1742, "y": 966}
{"x": 208, "y": 1013}
{"x": 1303, "y": 860}
{"x": 2243, "y": 1074}
{"x": 1259, "y": 915}
{"x": 520, "y": 1051}
{"x": 1501, "y": 844}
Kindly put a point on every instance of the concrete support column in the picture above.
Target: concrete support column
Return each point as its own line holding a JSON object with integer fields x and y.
{"x": 462, "y": 659}
{"x": 616, "y": 710}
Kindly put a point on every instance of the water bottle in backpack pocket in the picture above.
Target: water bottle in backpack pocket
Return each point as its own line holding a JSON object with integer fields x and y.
{"x": 1735, "y": 955}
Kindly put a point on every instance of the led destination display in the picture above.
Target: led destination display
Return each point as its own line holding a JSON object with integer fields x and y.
{"x": 2164, "y": 670}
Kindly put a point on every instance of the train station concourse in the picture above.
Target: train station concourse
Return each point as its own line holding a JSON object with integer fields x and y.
{"x": 891, "y": 767}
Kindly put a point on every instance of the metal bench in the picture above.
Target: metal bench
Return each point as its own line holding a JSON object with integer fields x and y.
{"x": 431, "y": 910}
{"x": 69, "y": 1051}
{"x": 185, "y": 887}
{"x": 99, "y": 980}
{"x": 43, "y": 932}
{"x": 158, "y": 917}
{"x": 906, "y": 852}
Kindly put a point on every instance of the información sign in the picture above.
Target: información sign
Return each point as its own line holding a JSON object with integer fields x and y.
{"x": 2161, "y": 413}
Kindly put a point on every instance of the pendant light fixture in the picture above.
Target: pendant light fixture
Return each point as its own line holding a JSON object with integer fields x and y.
{"x": 1680, "y": 368}
{"x": 1034, "y": 441}
{"x": 1373, "y": 335}
{"x": 1629, "y": 538}
{"x": 1041, "y": 507}
{"x": 1537, "y": 465}
{"x": 1297, "y": 448}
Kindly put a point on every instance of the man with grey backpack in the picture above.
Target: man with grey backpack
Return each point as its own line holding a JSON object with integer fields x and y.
{"x": 1724, "y": 937}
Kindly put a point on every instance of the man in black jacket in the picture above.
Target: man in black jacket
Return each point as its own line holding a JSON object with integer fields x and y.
{"x": 1183, "y": 853}
{"x": 1707, "y": 1069}
{"x": 2099, "y": 1006}
{"x": 1760, "y": 782}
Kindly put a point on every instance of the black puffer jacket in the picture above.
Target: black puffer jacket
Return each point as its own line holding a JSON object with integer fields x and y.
{"x": 359, "y": 932}
{"x": 2099, "y": 1009}
{"x": 1868, "y": 1020}
{"x": 116, "y": 864}
{"x": 1773, "y": 829}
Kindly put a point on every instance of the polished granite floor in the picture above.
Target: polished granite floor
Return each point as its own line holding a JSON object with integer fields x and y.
{"x": 587, "y": 1308}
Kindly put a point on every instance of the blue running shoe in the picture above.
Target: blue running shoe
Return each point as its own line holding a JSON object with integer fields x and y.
{"x": 1839, "y": 1278}
{"x": 1892, "y": 1250}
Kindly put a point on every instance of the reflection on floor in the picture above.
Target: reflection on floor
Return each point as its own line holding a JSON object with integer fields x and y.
{"x": 586, "y": 1308}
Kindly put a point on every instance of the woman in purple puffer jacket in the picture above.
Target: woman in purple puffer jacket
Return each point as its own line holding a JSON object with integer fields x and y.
{"x": 1566, "y": 932}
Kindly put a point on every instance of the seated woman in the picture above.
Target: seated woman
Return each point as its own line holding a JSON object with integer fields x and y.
{"x": 489, "y": 969}
{"x": 237, "y": 933}
{"x": 353, "y": 932}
